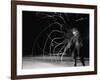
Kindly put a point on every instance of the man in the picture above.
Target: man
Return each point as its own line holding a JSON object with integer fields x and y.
{"x": 77, "y": 44}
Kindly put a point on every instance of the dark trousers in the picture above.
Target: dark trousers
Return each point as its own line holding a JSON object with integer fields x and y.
{"x": 78, "y": 54}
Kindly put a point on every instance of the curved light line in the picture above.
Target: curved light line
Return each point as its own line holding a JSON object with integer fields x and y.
{"x": 43, "y": 31}
{"x": 48, "y": 38}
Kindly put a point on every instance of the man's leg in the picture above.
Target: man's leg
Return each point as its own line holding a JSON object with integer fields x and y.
{"x": 75, "y": 57}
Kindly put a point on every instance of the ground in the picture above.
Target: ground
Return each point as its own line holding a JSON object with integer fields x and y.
{"x": 50, "y": 62}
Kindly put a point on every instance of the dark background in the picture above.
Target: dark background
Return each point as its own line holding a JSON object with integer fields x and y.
{"x": 35, "y": 22}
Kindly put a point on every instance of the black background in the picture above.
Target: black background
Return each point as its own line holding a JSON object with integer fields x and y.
{"x": 33, "y": 24}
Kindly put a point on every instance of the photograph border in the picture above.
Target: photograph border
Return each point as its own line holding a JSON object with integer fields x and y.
{"x": 14, "y": 39}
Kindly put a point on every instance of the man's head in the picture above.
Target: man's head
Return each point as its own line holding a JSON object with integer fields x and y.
{"x": 75, "y": 32}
